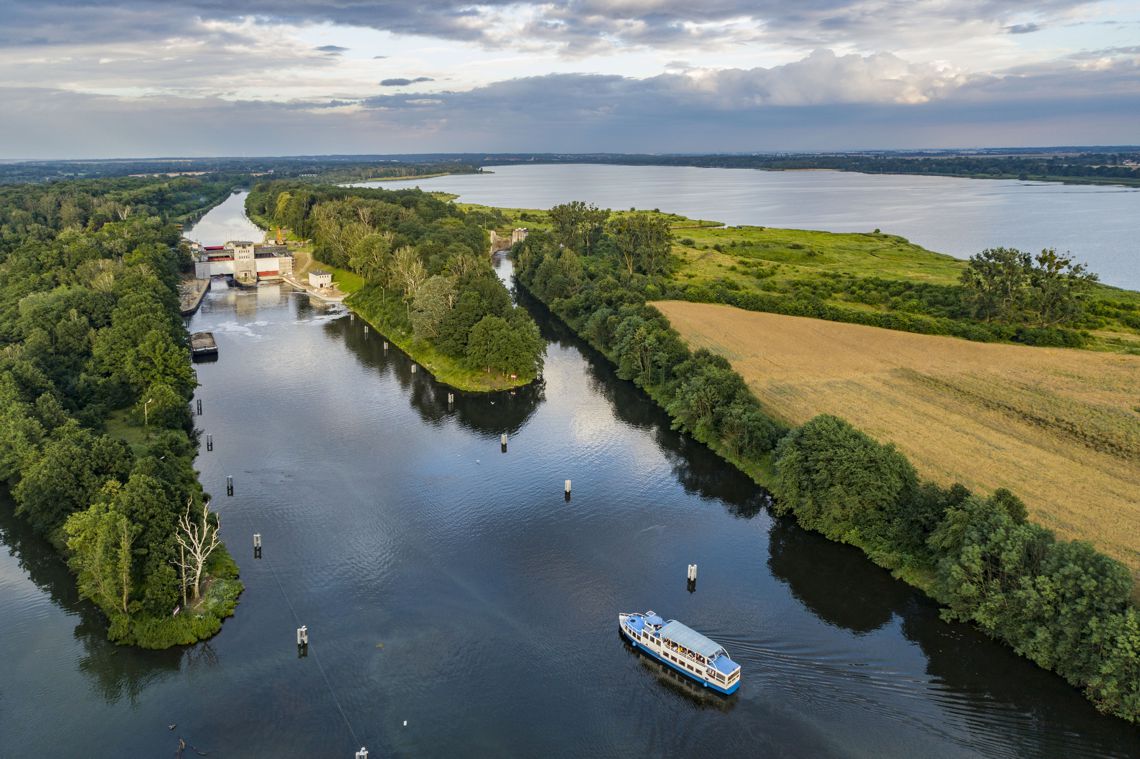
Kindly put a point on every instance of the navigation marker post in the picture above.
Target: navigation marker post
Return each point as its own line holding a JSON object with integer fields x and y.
{"x": 199, "y": 407}
{"x": 503, "y": 442}
{"x": 257, "y": 545}
{"x": 302, "y": 641}
{"x": 691, "y": 575}
{"x": 229, "y": 484}
{"x": 209, "y": 442}
{"x": 567, "y": 490}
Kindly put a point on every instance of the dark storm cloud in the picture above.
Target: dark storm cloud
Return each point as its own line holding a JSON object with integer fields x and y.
{"x": 400, "y": 82}
{"x": 574, "y": 24}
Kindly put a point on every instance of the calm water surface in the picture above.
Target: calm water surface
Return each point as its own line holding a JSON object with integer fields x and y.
{"x": 956, "y": 216}
{"x": 450, "y": 585}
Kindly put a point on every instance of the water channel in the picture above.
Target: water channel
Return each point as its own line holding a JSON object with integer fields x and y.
{"x": 459, "y": 606}
{"x": 949, "y": 215}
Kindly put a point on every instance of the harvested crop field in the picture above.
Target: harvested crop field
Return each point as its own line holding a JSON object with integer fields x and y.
{"x": 1060, "y": 428}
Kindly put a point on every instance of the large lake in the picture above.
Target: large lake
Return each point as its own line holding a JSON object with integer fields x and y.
{"x": 459, "y": 606}
{"x": 1097, "y": 224}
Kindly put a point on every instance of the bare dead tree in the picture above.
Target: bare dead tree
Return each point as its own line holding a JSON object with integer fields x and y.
{"x": 198, "y": 539}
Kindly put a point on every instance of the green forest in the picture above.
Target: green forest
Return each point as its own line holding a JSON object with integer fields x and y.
{"x": 429, "y": 285}
{"x": 1060, "y": 603}
{"x": 96, "y": 440}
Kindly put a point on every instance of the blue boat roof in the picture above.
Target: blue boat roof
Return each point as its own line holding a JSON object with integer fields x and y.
{"x": 686, "y": 636}
{"x": 725, "y": 665}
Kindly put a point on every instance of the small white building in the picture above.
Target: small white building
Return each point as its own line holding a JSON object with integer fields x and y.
{"x": 518, "y": 235}
{"x": 320, "y": 278}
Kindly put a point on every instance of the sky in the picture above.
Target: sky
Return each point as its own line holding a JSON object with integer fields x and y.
{"x": 138, "y": 78}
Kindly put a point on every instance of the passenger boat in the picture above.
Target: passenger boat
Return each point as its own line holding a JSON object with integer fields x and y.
{"x": 682, "y": 648}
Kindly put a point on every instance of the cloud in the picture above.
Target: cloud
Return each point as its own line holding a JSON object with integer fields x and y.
{"x": 400, "y": 82}
{"x": 575, "y": 25}
{"x": 1023, "y": 28}
{"x": 331, "y": 49}
{"x": 822, "y": 102}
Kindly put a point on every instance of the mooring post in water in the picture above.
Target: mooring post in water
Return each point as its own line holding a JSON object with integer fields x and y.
{"x": 691, "y": 575}
{"x": 302, "y": 640}
{"x": 413, "y": 368}
{"x": 209, "y": 442}
{"x": 567, "y": 490}
{"x": 450, "y": 398}
{"x": 366, "y": 330}
{"x": 503, "y": 442}
{"x": 229, "y": 484}
{"x": 199, "y": 407}
{"x": 257, "y": 545}
{"x": 362, "y": 753}
{"x": 385, "y": 346}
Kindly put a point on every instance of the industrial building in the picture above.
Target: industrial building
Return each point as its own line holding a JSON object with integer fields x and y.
{"x": 247, "y": 262}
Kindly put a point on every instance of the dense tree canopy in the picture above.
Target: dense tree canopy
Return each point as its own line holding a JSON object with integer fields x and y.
{"x": 93, "y": 352}
{"x": 427, "y": 253}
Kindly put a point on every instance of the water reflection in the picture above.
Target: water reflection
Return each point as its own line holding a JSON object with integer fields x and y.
{"x": 846, "y": 590}
{"x": 489, "y": 414}
{"x": 685, "y": 688}
{"x": 699, "y": 471}
{"x": 114, "y": 671}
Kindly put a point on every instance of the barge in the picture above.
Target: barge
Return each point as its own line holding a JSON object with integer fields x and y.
{"x": 202, "y": 346}
{"x": 682, "y": 648}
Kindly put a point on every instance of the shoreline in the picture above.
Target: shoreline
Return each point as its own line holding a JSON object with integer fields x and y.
{"x": 443, "y": 375}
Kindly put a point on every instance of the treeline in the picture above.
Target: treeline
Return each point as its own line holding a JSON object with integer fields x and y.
{"x": 602, "y": 295}
{"x": 427, "y": 270}
{"x": 925, "y": 309}
{"x": 1071, "y": 164}
{"x": 96, "y": 441}
{"x": 1060, "y": 603}
{"x": 308, "y": 168}
{"x": 36, "y": 215}
{"x": 1003, "y": 295}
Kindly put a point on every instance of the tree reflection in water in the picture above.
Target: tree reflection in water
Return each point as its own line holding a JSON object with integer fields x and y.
{"x": 489, "y": 414}
{"x": 114, "y": 671}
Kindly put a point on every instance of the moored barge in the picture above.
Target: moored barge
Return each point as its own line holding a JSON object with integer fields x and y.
{"x": 682, "y": 648}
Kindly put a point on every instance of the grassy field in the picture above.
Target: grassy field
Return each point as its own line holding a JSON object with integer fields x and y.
{"x": 346, "y": 281}
{"x": 828, "y": 265}
{"x": 1060, "y": 428}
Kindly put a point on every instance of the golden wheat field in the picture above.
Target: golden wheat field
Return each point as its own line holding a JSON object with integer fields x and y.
{"x": 1060, "y": 428}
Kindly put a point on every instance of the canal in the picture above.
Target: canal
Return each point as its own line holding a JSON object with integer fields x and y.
{"x": 458, "y": 605}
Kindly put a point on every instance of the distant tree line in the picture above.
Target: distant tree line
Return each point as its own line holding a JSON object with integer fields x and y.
{"x": 1060, "y": 603}
{"x": 1117, "y": 166}
{"x": 96, "y": 441}
{"x": 426, "y": 264}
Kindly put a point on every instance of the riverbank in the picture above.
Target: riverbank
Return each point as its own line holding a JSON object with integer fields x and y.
{"x": 386, "y": 315}
{"x": 191, "y": 292}
{"x": 1056, "y": 602}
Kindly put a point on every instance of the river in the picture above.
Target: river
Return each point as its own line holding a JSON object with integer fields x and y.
{"x": 1097, "y": 224}
{"x": 459, "y": 606}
